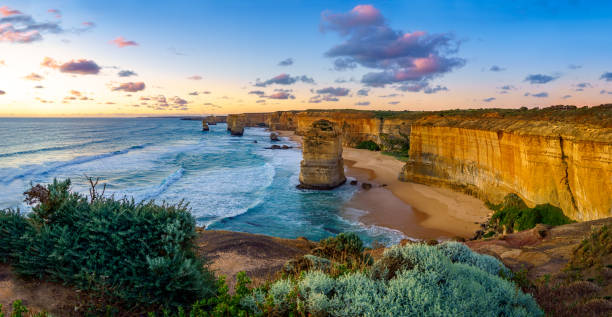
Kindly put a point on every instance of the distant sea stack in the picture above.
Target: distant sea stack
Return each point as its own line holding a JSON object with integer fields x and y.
{"x": 322, "y": 166}
{"x": 205, "y": 126}
{"x": 236, "y": 124}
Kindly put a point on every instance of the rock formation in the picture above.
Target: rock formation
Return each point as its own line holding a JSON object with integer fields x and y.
{"x": 205, "y": 126}
{"x": 322, "y": 166}
{"x": 274, "y": 136}
{"x": 236, "y": 124}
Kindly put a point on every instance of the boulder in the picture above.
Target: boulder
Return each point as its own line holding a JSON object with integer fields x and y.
{"x": 274, "y": 136}
{"x": 354, "y": 182}
{"x": 322, "y": 166}
{"x": 366, "y": 186}
{"x": 284, "y": 147}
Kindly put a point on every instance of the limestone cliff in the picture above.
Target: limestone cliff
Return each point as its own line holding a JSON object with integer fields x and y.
{"x": 205, "y": 126}
{"x": 322, "y": 166}
{"x": 568, "y": 165}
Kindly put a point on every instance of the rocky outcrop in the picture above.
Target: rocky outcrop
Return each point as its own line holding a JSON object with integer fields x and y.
{"x": 213, "y": 120}
{"x": 274, "y": 136}
{"x": 236, "y": 124}
{"x": 322, "y": 166}
{"x": 568, "y": 165}
{"x": 205, "y": 126}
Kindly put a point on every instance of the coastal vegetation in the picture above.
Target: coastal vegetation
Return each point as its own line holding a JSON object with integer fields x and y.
{"x": 368, "y": 145}
{"x": 136, "y": 254}
{"x": 512, "y": 215}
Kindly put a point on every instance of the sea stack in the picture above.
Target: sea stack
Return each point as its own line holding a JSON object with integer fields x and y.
{"x": 236, "y": 126}
{"x": 322, "y": 166}
{"x": 274, "y": 137}
{"x": 205, "y": 126}
{"x": 211, "y": 120}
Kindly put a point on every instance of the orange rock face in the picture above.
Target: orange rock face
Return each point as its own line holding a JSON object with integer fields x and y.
{"x": 566, "y": 165}
{"x": 322, "y": 166}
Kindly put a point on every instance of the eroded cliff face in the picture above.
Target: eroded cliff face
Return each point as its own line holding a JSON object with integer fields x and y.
{"x": 236, "y": 123}
{"x": 566, "y": 165}
{"x": 322, "y": 166}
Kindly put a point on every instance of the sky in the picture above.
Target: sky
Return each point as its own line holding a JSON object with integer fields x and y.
{"x": 142, "y": 58}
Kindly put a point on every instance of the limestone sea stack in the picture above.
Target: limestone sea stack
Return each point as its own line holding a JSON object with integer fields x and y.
{"x": 237, "y": 124}
{"x": 322, "y": 166}
{"x": 274, "y": 136}
{"x": 205, "y": 126}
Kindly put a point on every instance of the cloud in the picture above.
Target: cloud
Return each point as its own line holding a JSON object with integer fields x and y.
{"x": 341, "y": 64}
{"x": 584, "y": 85}
{"x": 2, "y": 92}
{"x": 334, "y": 91}
{"x": 126, "y": 73}
{"x": 281, "y": 95}
{"x": 607, "y": 76}
{"x": 261, "y": 101}
{"x": 130, "y": 87}
{"x": 389, "y": 96}
{"x": 121, "y": 42}
{"x": 507, "y": 87}
{"x": 363, "y": 92}
{"x": 416, "y": 87}
{"x": 194, "y": 93}
{"x": 496, "y": 68}
{"x": 566, "y": 97}
{"x": 38, "y": 87}
{"x": 538, "y": 95}
{"x": 206, "y": 92}
{"x": 75, "y": 93}
{"x": 286, "y": 62}
{"x": 400, "y": 57}
{"x": 15, "y": 27}
{"x": 343, "y": 81}
{"x": 284, "y": 79}
{"x": 433, "y": 90}
{"x": 34, "y": 77}
{"x": 257, "y": 92}
{"x": 488, "y": 99}
{"x": 195, "y": 77}
{"x": 572, "y": 66}
{"x": 362, "y": 103}
{"x": 539, "y": 78}
{"x": 394, "y": 102}
{"x": 56, "y": 12}
{"x": 81, "y": 66}
{"x": 2, "y": 63}
{"x": 603, "y": 92}
{"x": 7, "y": 12}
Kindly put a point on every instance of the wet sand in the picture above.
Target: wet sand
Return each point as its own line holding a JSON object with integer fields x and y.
{"x": 418, "y": 211}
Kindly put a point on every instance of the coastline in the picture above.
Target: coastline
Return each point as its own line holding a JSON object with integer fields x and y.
{"x": 418, "y": 211}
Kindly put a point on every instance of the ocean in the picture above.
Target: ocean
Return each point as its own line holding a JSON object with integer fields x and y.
{"x": 230, "y": 183}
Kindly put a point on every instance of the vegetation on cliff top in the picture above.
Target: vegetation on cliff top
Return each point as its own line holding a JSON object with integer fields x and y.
{"x": 140, "y": 254}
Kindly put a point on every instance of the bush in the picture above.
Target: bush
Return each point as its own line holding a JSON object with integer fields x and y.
{"x": 12, "y": 227}
{"x": 592, "y": 250}
{"x": 368, "y": 145}
{"x": 514, "y": 214}
{"x": 140, "y": 253}
{"x": 443, "y": 280}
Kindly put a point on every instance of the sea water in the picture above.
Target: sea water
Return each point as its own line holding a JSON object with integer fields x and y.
{"x": 230, "y": 182}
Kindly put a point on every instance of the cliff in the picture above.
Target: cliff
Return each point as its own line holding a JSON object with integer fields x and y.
{"x": 322, "y": 166}
{"x": 568, "y": 165}
{"x": 560, "y": 155}
{"x": 236, "y": 124}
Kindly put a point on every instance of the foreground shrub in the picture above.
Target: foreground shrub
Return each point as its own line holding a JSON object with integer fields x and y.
{"x": 368, "y": 145}
{"x": 514, "y": 215}
{"x": 591, "y": 251}
{"x": 12, "y": 227}
{"x": 140, "y": 253}
{"x": 411, "y": 280}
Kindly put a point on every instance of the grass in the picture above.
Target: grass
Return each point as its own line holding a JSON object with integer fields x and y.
{"x": 402, "y": 156}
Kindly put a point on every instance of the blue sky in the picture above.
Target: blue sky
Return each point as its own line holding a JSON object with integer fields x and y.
{"x": 443, "y": 55}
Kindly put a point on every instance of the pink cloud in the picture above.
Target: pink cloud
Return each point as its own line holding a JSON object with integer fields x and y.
{"x": 6, "y": 12}
{"x": 57, "y": 12}
{"x": 80, "y": 67}
{"x": 8, "y": 34}
{"x": 130, "y": 87}
{"x": 195, "y": 77}
{"x": 360, "y": 15}
{"x": 121, "y": 42}
{"x": 34, "y": 77}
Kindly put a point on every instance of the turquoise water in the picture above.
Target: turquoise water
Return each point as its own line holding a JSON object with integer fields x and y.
{"x": 230, "y": 182}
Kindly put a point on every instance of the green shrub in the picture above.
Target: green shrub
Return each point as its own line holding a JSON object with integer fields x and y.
{"x": 139, "y": 253}
{"x": 368, "y": 145}
{"x": 12, "y": 227}
{"x": 514, "y": 214}
{"x": 443, "y": 280}
{"x": 592, "y": 250}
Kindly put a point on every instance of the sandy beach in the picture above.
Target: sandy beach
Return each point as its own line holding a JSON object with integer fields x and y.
{"x": 419, "y": 211}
